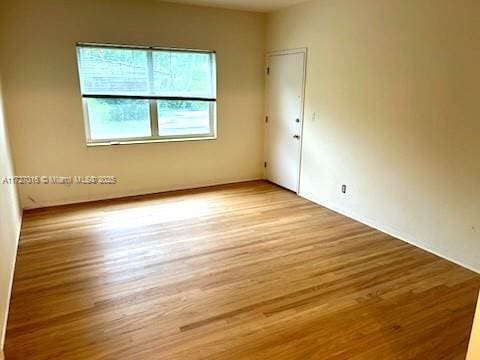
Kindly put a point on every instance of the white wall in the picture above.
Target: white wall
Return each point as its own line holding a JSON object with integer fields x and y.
{"x": 10, "y": 220}
{"x": 394, "y": 85}
{"x": 42, "y": 95}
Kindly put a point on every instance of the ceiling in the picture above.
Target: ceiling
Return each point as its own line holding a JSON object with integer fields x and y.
{"x": 250, "y": 5}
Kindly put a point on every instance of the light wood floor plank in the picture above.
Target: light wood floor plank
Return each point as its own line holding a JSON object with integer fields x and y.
{"x": 245, "y": 271}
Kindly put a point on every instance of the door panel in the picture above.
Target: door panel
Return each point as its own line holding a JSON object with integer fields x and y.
{"x": 285, "y": 86}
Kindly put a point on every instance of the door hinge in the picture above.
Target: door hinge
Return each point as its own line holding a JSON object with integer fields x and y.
{"x": 265, "y": 164}
{"x": 268, "y": 70}
{"x": 266, "y": 119}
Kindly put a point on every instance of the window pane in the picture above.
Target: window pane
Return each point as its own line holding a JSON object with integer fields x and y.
{"x": 118, "y": 118}
{"x": 113, "y": 71}
{"x": 177, "y": 118}
{"x": 184, "y": 74}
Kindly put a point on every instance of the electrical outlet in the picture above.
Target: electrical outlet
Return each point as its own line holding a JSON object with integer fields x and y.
{"x": 344, "y": 189}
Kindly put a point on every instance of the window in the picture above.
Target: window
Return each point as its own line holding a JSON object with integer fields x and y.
{"x": 137, "y": 94}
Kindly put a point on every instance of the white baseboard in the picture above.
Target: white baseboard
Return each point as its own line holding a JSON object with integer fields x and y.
{"x": 113, "y": 196}
{"x": 389, "y": 231}
{"x": 3, "y": 327}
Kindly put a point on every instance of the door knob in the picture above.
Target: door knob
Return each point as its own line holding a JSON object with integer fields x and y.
{"x": 296, "y": 137}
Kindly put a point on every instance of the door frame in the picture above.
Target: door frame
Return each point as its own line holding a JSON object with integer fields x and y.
{"x": 303, "y": 51}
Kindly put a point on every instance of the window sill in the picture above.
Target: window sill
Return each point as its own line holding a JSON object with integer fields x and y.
{"x": 154, "y": 141}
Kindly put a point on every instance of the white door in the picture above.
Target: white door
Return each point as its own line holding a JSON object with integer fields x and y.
{"x": 283, "y": 129}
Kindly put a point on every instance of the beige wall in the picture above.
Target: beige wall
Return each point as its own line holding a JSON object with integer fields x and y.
{"x": 42, "y": 95}
{"x": 394, "y": 85}
{"x": 474, "y": 348}
{"x": 10, "y": 220}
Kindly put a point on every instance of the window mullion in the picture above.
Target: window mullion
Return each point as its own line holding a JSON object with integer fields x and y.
{"x": 87, "y": 120}
{"x": 154, "y": 117}
{"x": 212, "y": 107}
{"x": 152, "y": 102}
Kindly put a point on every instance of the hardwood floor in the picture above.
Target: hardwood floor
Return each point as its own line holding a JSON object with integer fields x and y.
{"x": 247, "y": 271}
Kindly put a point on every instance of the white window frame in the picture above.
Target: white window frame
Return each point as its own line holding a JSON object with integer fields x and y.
{"x": 153, "y": 101}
